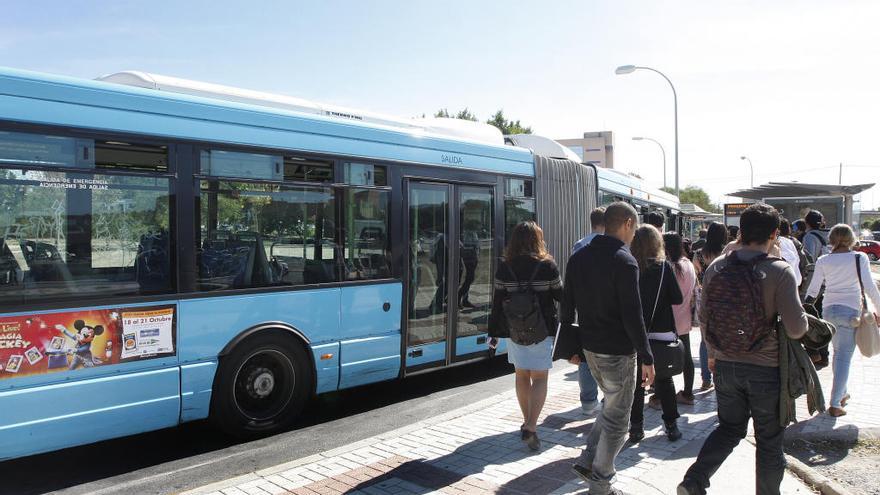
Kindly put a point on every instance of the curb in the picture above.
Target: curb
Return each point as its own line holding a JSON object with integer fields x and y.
{"x": 825, "y": 485}
{"x": 845, "y": 434}
{"x": 812, "y": 477}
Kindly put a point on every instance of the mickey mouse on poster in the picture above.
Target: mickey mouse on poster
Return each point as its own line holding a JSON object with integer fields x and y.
{"x": 82, "y": 355}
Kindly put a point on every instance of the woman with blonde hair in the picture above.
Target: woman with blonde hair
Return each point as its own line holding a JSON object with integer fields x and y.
{"x": 659, "y": 292}
{"x": 847, "y": 276}
{"x": 527, "y": 268}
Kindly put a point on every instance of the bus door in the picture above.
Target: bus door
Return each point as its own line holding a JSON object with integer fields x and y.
{"x": 450, "y": 231}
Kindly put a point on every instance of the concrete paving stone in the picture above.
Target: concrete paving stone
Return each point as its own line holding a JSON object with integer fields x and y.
{"x": 478, "y": 450}
{"x": 294, "y": 476}
{"x": 303, "y": 491}
{"x": 312, "y": 475}
{"x": 254, "y": 490}
{"x": 232, "y": 491}
{"x": 272, "y": 488}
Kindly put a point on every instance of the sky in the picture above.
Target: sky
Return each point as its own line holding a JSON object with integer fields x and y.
{"x": 793, "y": 85}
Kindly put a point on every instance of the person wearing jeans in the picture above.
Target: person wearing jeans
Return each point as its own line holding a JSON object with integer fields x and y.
{"x": 705, "y": 373}
{"x": 616, "y": 376}
{"x": 847, "y": 278}
{"x": 844, "y": 344}
{"x": 744, "y": 390}
{"x": 747, "y": 377}
{"x": 589, "y": 389}
{"x": 602, "y": 288}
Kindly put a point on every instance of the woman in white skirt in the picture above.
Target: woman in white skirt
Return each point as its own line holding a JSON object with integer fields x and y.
{"x": 527, "y": 263}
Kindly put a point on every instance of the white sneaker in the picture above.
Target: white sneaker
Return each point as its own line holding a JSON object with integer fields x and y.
{"x": 591, "y": 408}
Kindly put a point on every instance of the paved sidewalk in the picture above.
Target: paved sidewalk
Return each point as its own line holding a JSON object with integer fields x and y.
{"x": 863, "y": 409}
{"x": 476, "y": 449}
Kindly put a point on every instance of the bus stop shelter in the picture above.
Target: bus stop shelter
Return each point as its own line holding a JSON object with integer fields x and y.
{"x": 794, "y": 199}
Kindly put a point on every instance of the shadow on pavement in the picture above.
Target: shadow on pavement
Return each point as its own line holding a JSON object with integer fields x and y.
{"x": 449, "y": 471}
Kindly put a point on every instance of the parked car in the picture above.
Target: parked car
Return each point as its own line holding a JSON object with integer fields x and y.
{"x": 871, "y": 248}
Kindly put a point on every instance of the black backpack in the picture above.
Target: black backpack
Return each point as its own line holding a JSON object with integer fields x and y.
{"x": 522, "y": 310}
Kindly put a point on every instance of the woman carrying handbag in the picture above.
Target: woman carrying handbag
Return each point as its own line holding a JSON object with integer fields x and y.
{"x": 844, "y": 305}
{"x": 659, "y": 292}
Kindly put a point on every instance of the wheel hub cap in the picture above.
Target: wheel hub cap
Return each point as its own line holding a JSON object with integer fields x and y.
{"x": 262, "y": 383}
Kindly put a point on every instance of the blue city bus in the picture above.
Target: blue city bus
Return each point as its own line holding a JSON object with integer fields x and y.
{"x": 615, "y": 185}
{"x": 170, "y": 257}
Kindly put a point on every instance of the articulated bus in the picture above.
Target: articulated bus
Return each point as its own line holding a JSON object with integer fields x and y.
{"x": 618, "y": 186}
{"x": 174, "y": 251}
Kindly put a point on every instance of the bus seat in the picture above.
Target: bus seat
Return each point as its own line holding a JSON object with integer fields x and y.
{"x": 152, "y": 265}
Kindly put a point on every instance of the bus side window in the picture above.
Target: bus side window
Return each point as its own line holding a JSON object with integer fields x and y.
{"x": 265, "y": 234}
{"x": 367, "y": 243}
{"x": 69, "y": 235}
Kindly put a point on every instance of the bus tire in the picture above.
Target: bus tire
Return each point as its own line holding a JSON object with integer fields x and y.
{"x": 261, "y": 386}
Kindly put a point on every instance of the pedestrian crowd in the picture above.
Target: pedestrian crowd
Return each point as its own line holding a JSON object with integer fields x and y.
{"x": 768, "y": 297}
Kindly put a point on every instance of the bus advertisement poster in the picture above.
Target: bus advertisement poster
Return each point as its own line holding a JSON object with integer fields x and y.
{"x": 64, "y": 341}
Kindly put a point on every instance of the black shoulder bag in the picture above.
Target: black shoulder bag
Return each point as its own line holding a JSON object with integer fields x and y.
{"x": 668, "y": 356}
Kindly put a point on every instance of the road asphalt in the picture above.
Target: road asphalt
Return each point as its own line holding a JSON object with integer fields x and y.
{"x": 195, "y": 454}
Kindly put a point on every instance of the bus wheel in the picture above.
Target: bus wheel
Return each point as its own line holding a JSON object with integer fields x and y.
{"x": 261, "y": 386}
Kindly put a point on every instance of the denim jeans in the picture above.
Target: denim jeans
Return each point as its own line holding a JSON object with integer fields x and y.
{"x": 589, "y": 388}
{"x": 704, "y": 362}
{"x": 745, "y": 390}
{"x": 844, "y": 343}
{"x": 615, "y": 375}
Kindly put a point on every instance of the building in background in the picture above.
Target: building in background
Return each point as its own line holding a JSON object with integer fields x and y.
{"x": 595, "y": 147}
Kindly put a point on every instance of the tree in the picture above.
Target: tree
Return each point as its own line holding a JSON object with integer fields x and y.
{"x": 466, "y": 115}
{"x": 498, "y": 120}
{"x": 695, "y": 195}
{"x": 462, "y": 114}
{"x": 508, "y": 126}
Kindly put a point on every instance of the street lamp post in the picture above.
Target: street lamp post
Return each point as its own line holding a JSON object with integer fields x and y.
{"x": 629, "y": 69}
{"x": 750, "y": 168}
{"x": 638, "y": 138}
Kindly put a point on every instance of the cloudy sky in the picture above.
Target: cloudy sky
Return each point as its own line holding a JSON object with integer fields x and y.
{"x": 794, "y": 85}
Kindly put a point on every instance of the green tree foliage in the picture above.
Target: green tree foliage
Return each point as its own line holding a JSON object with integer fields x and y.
{"x": 695, "y": 195}
{"x": 466, "y": 115}
{"x": 498, "y": 120}
{"x": 508, "y": 126}
{"x": 462, "y": 114}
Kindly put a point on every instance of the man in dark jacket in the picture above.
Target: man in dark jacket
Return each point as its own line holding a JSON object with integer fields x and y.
{"x": 602, "y": 285}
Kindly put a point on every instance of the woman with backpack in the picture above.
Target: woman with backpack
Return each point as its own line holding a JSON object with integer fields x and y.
{"x": 847, "y": 278}
{"x": 683, "y": 313}
{"x": 527, "y": 287}
{"x": 716, "y": 240}
{"x": 659, "y": 291}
